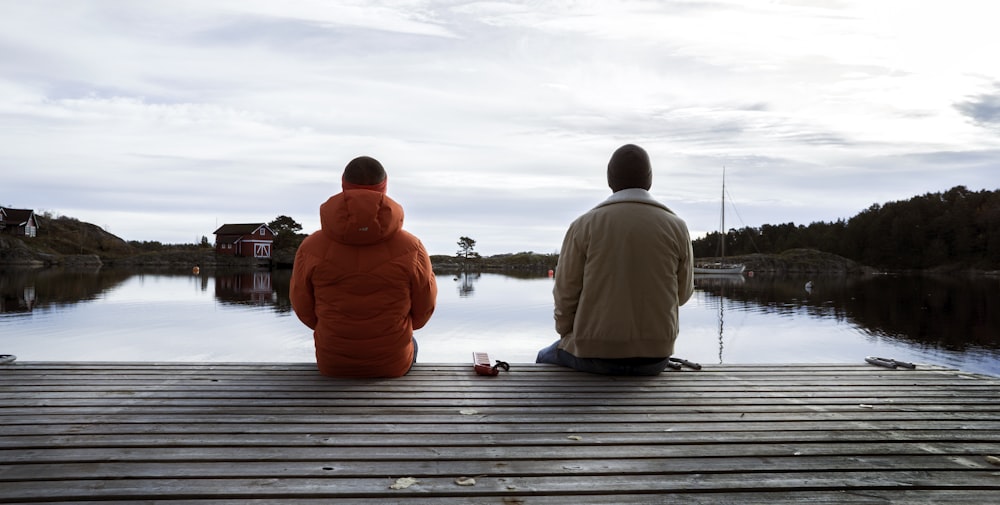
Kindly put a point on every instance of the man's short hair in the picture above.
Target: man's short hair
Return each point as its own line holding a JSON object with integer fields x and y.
{"x": 365, "y": 171}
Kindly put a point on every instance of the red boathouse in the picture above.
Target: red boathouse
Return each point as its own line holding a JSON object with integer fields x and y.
{"x": 252, "y": 240}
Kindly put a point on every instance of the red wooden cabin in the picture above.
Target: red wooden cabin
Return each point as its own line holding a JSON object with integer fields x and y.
{"x": 251, "y": 240}
{"x": 20, "y": 222}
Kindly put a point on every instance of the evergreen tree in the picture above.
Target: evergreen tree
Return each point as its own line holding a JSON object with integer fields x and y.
{"x": 286, "y": 233}
{"x": 958, "y": 227}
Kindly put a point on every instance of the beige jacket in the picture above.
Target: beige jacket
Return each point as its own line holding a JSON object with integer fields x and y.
{"x": 624, "y": 269}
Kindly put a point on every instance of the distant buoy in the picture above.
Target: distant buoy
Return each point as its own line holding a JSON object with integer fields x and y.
{"x": 196, "y": 270}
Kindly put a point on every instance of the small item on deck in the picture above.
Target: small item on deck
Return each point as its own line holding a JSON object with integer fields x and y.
{"x": 465, "y": 481}
{"x": 6, "y": 359}
{"x": 682, "y": 362}
{"x": 889, "y": 362}
{"x": 403, "y": 483}
{"x": 481, "y": 363}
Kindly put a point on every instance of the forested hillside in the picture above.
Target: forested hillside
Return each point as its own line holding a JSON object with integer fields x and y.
{"x": 957, "y": 228}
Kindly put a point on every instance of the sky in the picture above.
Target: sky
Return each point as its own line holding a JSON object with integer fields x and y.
{"x": 163, "y": 120}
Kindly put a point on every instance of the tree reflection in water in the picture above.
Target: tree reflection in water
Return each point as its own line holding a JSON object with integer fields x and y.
{"x": 467, "y": 282}
{"x": 946, "y": 312}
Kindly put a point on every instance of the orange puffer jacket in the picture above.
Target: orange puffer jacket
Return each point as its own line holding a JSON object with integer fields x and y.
{"x": 363, "y": 284}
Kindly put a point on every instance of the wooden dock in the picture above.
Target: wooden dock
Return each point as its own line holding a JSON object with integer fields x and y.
{"x": 270, "y": 433}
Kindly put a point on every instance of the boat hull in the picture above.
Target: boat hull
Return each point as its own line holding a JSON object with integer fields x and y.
{"x": 720, "y": 269}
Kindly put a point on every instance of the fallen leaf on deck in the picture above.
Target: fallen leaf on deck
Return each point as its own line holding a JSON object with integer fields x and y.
{"x": 465, "y": 481}
{"x": 468, "y": 412}
{"x": 403, "y": 483}
{"x": 575, "y": 437}
{"x": 993, "y": 460}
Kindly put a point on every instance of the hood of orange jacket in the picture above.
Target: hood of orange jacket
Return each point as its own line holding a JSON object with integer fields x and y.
{"x": 360, "y": 217}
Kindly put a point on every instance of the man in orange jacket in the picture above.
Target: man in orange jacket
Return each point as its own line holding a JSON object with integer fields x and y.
{"x": 362, "y": 283}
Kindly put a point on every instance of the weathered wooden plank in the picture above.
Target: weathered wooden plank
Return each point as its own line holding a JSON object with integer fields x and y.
{"x": 785, "y": 407}
{"x": 445, "y": 388}
{"x": 532, "y": 467}
{"x": 487, "y": 451}
{"x": 15, "y": 435}
{"x": 522, "y": 372}
{"x": 511, "y": 486}
{"x": 455, "y": 416}
{"x": 442, "y": 388}
{"x": 291, "y": 371}
{"x": 649, "y": 413}
{"x": 759, "y": 497}
{"x": 749, "y": 395}
{"x": 373, "y": 438}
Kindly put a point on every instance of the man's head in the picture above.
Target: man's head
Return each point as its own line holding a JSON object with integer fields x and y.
{"x": 364, "y": 172}
{"x": 629, "y": 168}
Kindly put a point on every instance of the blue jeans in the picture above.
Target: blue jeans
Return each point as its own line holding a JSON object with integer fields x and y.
{"x": 604, "y": 366}
{"x": 414, "y": 362}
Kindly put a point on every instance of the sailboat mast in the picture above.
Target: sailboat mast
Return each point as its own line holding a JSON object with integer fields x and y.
{"x": 722, "y": 230}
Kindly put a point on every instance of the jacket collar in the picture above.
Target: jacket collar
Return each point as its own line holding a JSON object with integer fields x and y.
{"x": 635, "y": 195}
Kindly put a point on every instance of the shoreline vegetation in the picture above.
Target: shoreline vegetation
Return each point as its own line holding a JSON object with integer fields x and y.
{"x": 70, "y": 243}
{"x": 87, "y": 246}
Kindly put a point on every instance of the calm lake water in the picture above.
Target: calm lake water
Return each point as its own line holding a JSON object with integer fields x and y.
{"x": 245, "y": 316}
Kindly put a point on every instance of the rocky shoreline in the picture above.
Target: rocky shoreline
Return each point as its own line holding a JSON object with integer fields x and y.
{"x": 798, "y": 261}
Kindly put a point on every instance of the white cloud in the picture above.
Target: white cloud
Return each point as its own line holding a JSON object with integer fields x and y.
{"x": 152, "y": 117}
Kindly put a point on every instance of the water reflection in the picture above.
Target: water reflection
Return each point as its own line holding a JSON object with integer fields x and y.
{"x": 23, "y": 290}
{"x": 252, "y": 288}
{"x": 945, "y": 312}
{"x": 17, "y": 298}
{"x": 256, "y": 287}
{"x": 467, "y": 282}
{"x": 948, "y": 312}
{"x": 720, "y": 285}
{"x": 761, "y": 319}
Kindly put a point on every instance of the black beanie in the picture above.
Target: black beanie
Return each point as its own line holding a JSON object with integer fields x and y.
{"x": 629, "y": 168}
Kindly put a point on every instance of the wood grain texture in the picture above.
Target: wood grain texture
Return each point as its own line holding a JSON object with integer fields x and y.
{"x": 272, "y": 432}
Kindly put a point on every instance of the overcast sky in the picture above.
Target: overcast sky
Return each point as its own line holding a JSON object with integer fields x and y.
{"x": 162, "y": 120}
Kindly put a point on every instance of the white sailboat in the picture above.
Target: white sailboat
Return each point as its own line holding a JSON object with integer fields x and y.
{"x": 721, "y": 267}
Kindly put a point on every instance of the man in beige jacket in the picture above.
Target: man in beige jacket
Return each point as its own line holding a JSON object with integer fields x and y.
{"x": 625, "y": 268}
